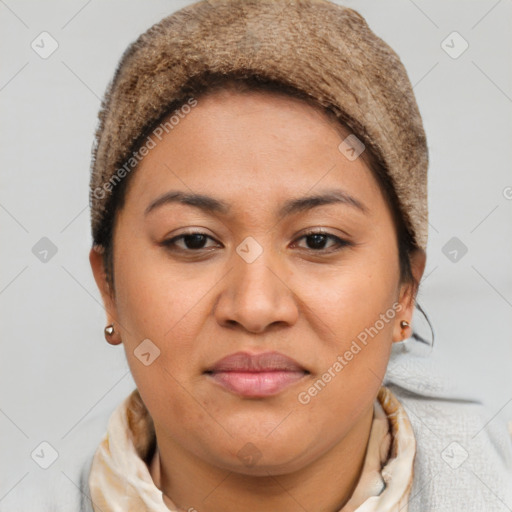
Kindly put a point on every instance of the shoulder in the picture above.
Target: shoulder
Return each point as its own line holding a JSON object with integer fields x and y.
{"x": 463, "y": 455}
{"x": 63, "y": 486}
{"x": 464, "y": 451}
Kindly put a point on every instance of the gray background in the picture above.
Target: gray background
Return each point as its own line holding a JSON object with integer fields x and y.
{"x": 57, "y": 371}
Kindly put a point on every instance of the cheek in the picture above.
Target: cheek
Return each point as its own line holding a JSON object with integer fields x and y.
{"x": 168, "y": 401}
{"x": 157, "y": 302}
{"x": 156, "y": 297}
{"x": 355, "y": 308}
{"x": 352, "y": 296}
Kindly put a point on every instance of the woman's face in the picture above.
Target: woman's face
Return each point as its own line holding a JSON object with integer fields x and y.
{"x": 255, "y": 279}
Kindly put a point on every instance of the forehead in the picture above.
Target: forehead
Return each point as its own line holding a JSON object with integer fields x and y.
{"x": 260, "y": 144}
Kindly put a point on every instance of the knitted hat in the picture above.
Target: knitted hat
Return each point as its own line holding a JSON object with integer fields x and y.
{"x": 320, "y": 48}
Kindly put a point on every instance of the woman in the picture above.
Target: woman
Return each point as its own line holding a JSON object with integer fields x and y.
{"x": 259, "y": 216}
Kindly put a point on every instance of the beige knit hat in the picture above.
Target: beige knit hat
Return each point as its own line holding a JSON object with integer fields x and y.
{"x": 320, "y": 48}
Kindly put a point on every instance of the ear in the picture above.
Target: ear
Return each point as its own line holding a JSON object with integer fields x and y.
{"x": 407, "y": 296}
{"x": 107, "y": 294}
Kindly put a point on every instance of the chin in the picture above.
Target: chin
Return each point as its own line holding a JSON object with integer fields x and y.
{"x": 263, "y": 455}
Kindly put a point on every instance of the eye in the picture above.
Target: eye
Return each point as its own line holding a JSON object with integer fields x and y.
{"x": 317, "y": 241}
{"x": 193, "y": 241}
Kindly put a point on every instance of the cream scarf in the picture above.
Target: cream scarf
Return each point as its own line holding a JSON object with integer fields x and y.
{"x": 120, "y": 480}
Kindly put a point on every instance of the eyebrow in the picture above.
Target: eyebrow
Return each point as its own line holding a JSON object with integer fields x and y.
{"x": 211, "y": 205}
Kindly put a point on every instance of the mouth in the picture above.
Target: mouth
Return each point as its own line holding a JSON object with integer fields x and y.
{"x": 258, "y": 375}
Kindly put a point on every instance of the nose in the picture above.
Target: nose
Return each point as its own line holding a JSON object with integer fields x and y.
{"x": 256, "y": 296}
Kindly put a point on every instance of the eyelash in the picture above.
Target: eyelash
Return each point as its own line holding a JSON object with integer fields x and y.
{"x": 340, "y": 242}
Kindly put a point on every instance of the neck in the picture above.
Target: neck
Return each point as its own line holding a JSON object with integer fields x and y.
{"x": 324, "y": 485}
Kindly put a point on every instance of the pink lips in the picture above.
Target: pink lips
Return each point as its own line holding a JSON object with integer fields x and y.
{"x": 258, "y": 375}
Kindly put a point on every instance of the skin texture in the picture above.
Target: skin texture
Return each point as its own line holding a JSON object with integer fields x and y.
{"x": 256, "y": 150}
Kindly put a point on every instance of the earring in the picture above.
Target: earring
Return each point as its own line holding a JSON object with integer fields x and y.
{"x": 109, "y": 330}
{"x": 404, "y": 324}
{"x": 109, "y": 335}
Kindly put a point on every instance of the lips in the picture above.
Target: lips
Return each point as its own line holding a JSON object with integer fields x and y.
{"x": 256, "y": 375}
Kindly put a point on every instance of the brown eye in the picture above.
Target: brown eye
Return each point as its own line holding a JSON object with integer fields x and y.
{"x": 190, "y": 242}
{"x": 318, "y": 240}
